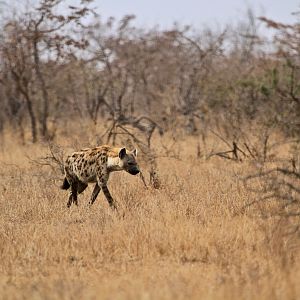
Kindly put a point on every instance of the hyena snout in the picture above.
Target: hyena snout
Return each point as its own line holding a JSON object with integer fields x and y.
{"x": 133, "y": 170}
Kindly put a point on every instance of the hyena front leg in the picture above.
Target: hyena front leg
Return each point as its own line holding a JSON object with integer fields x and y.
{"x": 95, "y": 193}
{"x": 102, "y": 179}
{"x": 108, "y": 196}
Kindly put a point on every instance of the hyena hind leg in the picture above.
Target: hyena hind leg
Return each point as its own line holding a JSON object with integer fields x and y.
{"x": 69, "y": 203}
{"x": 73, "y": 194}
{"x": 81, "y": 187}
{"x": 65, "y": 184}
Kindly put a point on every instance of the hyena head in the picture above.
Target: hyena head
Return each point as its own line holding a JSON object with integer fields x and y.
{"x": 128, "y": 161}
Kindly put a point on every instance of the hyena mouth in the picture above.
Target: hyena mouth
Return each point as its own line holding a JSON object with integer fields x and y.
{"x": 134, "y": 171}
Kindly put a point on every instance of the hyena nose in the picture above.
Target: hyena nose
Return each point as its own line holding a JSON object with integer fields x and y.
{"x": 134, "y": 171}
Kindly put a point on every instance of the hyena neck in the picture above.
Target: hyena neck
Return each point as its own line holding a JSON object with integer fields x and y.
{"x": 113, "y": 164}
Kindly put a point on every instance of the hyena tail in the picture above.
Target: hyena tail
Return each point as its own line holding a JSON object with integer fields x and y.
{"x": 65, "y": 184}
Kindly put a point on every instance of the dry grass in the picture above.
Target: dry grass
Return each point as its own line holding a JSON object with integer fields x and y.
{"x": 188, "y": 240}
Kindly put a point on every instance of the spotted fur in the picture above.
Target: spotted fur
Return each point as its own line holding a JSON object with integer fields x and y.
{"x": 93, "y": 165}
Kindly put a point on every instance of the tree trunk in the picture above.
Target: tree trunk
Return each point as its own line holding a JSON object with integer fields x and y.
{"x": 32, "y": 118}
{"x": 45, "y": 99}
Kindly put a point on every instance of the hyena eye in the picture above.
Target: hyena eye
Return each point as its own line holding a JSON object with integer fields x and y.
{"x": 131, "y": 163}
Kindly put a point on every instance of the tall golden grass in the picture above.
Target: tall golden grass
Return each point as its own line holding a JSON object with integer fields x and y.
{"x": 190, "y": 239}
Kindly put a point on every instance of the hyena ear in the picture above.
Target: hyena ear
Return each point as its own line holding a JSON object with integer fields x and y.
{"x": 122, "y": 153}
{"x": 134, "y": 152}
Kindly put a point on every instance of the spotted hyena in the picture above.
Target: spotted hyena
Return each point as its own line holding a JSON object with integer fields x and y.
{"x": 93, "y": 165}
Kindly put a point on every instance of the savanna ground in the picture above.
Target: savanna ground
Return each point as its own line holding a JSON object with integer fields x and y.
{"x": 190, "y": 239}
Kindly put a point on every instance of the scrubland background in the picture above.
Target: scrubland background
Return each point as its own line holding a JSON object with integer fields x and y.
{"x": 215, "y": 115}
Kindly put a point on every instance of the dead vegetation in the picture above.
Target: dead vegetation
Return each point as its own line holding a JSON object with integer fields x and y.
{"x": 191, "y": 238}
